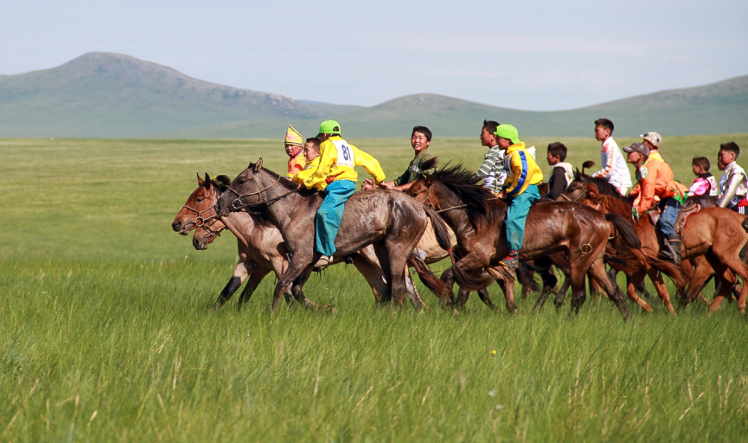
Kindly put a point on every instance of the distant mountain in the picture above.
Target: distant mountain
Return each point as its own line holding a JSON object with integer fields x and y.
{"x": 112, "y": 95}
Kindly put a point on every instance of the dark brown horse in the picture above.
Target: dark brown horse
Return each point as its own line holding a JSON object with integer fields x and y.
{"x": 389, "y": 221}
{"x": 717, "y": 234}
{"x": 477, "y": 218}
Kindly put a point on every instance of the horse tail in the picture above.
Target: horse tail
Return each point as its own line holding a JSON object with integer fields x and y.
{"x": 428, "y": 278}
{"x": 524, "y": 276}
{"x": 587, "y": 164}
{"x": 620, "y": 263}
{"x": 471, "y": 280}
{"x": 625, "y": 230}
{"x": 440, "y": 229}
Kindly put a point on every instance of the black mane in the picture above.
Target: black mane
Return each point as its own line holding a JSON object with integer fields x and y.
{"x": 483, "y": 207}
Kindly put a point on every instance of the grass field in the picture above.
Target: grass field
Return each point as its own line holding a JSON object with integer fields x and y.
{"x": 104, "y": 334}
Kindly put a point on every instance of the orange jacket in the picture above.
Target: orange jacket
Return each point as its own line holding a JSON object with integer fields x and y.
{"x": 296, "y": 164}
{"x": 655, "y": 183}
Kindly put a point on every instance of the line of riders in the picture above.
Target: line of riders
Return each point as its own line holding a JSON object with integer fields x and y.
{"x": 381, "y": 230}
{"x": 510, "y": 172}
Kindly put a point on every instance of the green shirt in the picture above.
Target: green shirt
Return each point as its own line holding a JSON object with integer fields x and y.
{"x": 414, "y": 171}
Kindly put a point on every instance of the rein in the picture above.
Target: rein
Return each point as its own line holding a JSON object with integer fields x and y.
{"x": 238, "y": 205}
{"x": 199, "y": 219}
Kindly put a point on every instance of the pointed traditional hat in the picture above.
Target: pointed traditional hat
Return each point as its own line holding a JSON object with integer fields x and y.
{"x": 293, "y": 137}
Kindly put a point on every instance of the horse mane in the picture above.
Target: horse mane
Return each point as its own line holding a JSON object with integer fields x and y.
{"x": 608, "y": 203}
{"x": 482, "y": 207}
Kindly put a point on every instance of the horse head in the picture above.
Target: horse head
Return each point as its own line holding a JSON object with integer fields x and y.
{"x": 199, "y": 207}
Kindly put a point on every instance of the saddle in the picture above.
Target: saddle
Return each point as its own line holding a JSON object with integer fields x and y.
{"x": 683, "y": 215}
{"x": 680, "y": 222}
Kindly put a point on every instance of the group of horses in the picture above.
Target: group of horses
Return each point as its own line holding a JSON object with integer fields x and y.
{"x": 448, "y": 214}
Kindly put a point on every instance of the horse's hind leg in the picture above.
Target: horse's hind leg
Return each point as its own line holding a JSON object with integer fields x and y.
{"x": 597, "y": 271}
{"x": 633, "y": 281}
{"x": 561, "y": 294}
{"x": 659, "y": 285}
{"x": 505, "y": 279}
{"x": 549, "y": 282}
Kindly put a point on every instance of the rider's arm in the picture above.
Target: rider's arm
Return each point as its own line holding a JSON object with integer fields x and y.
{"x": 607, "y": 155}
{"x": 492, "y": 162}
{"x": 328, "y": 156}
{"x": 369, "y": 163}
{"x": 517, "y": 181}
{"x": 559, "y": 183}
{"x": 647, "y": 191}
{"x": 731, "y": 187}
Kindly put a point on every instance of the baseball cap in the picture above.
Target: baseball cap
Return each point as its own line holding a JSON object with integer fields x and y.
{"x": 637, "y": 147}
{"x": 329, "y": 127}
{"x": 652, "y": 137}
{"x": 508, "y": 132}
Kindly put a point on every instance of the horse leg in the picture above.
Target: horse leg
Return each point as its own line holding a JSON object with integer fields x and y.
{"x": 702, "y": 273}
{"x": 736, "y": 265}
{"x": 412, "y": 291}
{"x": 235, "y": 282}
{"x": 632, "y": 282}
{"x": 255, "y": 279}
{"x": 503, "y": 275}
{"x": 656, "y": 277}
{"x": 295, "y": 268}
{"x": 373, "y": 275}
{"x": 597, "y": 271}
{"x": 561, "y": 294}
{"x": 549, "y": 283}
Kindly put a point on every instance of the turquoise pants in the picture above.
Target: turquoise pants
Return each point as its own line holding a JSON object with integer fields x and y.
{"x": 516, "y": 216}
{"x": 330, "y": 214}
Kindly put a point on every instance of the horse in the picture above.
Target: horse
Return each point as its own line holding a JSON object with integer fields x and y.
{"x": 716, "y": 233}
{"x": 388, "y": 220}
{"x": 261, "y": 247}
{"x": 477, "y": 218}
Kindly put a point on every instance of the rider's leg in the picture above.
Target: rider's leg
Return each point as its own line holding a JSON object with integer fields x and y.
{"x": 329, "y": 215}
{"x": 516, "y": 216}
{"x": 666, "y": 225}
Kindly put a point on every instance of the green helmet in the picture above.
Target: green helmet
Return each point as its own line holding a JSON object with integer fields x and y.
{"x": 508, "y": 131}
{"x": 329, "y": 127}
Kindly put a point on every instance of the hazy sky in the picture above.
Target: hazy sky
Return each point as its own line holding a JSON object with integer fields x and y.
{"x": 537, "y": 55}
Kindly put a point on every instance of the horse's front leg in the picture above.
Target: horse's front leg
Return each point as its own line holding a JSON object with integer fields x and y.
{"x": 296, "y": 266}
{"x": 255, "y": 278}
{"x": 240, "y": 274}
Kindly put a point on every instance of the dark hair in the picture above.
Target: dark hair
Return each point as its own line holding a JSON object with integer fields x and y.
{"x": 557, "y": 149}
{"x": 490, "y": 126}
{"x": 423, "y": 130}
{"x": 703, "y": 162}
{"x": 730, "y": 147}
{"x": 605, "y": 123}
{"x": 314, "y": 140}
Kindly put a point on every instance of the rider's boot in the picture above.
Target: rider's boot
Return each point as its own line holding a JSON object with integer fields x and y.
{"x": 674, "y": 243}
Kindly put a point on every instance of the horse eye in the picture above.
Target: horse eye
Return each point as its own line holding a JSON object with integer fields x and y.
{"x": 199, "y": 200}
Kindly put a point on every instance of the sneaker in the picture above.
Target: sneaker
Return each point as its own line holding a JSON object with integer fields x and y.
{"x": 511, "y": 260}
{"x": 323, "y": 262}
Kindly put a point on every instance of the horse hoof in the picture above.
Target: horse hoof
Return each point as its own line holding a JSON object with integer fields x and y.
{"x": 512, "y": 309}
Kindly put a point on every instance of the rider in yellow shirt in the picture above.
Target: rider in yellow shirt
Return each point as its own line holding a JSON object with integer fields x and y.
{"x": 336, "y": 176}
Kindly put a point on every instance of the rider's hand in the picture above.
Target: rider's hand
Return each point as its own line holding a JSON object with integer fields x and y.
{"x": 368, "y": 185}
{"x": 384, "y": 185}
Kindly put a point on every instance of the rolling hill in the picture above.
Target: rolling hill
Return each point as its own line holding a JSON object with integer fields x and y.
{"x": 112, "y": 95}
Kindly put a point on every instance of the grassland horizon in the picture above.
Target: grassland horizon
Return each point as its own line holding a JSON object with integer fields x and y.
{"x": 106, "y": 335}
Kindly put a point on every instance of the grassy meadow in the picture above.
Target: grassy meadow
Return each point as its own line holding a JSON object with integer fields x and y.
{"x": 104, "y": 334}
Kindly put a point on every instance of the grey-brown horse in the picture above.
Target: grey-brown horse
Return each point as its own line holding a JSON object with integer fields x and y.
{"x": 391, "y": 222}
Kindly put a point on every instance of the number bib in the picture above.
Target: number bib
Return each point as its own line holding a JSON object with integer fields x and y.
{"x": 345, "y": 153}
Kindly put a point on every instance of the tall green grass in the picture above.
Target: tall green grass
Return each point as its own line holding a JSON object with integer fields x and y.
{"x": 104, "y": 334}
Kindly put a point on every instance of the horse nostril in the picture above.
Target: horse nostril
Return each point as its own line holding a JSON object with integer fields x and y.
{"x": 195, "y": 243}
{"x": 176, "y": 226}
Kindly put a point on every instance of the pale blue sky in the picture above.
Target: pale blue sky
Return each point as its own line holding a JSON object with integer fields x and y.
{"x": 537, "y": 55}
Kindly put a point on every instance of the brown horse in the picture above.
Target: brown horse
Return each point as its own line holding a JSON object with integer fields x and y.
{"x": 717, "y": 234}
{"x": 578, "y": 232}
{"x": 389, "y": 221}
{"x": 261, "y": 247}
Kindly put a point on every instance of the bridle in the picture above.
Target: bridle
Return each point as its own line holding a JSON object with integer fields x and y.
{"x": 200, "y": 220}
{"x": 431, "y": 205}
{"x": 238, "y": 205}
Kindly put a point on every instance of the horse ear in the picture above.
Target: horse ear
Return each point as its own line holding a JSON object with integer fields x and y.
{"x": 199, "y": 180}
{"x": 207, "y": 181}
{"x": 577, "y": 174}
{"x": 258, "y": 165}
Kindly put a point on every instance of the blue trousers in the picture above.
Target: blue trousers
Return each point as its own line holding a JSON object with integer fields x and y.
{"x": 669, "y": 208}
{"x": 516, "y": 216}
{"x": 330, "y": 214}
